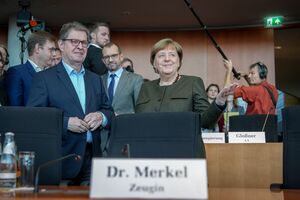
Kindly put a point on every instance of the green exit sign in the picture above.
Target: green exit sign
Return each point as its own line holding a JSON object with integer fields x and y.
{"x": 271, "y": 22}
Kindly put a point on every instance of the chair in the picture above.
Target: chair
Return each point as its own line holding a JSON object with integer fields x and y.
{"x": 36, "y": 129}
{"x": 157, "y": 135}
{"x": 291, "y": 147}
{"x": 256, "y": 123}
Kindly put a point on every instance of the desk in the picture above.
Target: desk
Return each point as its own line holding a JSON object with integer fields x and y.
{"x": 235, "y": 172}
{"x": 244, "y": 165}
{"x": 82, "y": 193}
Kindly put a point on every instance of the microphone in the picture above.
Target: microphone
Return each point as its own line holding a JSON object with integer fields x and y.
{"x": 265, "y": 122}
{"x": 32, "y": 23}
{"x": 36, "y": 181}
{"x": 126, "y": 150}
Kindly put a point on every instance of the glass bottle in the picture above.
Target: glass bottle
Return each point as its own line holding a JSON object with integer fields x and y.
{"x": 8, "y": 165}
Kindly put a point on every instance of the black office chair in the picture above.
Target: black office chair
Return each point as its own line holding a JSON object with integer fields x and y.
{"x": 36, "y": 129}
{"x": 256, "y": 123}
{"x": 291, "y": 147}
{"x": 157, "y": 135}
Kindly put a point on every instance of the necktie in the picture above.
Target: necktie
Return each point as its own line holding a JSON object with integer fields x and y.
{"x": 111, "y": 88}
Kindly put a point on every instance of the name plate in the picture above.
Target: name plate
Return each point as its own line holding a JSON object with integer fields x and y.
{"x": 149, "y": 178}
{"x": 213, "y": 137}
{"x": 246, "y": 137}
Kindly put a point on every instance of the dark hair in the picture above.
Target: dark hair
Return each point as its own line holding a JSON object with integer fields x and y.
{"x": 110, "y": 44}
{"x": 212, "y": 85}
{"x": 128, "y": 68}
{"x": 262, "y": 69}
{"x": 40, "y": 38}
{"x": 66, "y": 29}
{"x": 163, "y": 43}
{"x": 96, "y": 25}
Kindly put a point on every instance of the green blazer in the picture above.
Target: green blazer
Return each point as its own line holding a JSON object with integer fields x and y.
{"x": 186, "y": 95}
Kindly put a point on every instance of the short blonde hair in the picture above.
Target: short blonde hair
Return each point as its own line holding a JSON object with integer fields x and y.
{"x": 162, "y": 44}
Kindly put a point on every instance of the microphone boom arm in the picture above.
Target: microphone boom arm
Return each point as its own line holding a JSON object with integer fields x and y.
{"x": 36, "y": 184}
{"x": 235, "y": 73}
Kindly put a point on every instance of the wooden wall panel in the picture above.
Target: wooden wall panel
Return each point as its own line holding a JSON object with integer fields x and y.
{"x": 243, "y": 46}
{"x": 200, "y": 58}
{"x": 3, "y": 35}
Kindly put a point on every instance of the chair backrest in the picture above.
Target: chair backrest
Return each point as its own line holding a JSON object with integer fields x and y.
{"x": 157, "y": 135}
{"x": 36, "y": 129}
{"x": 256, "y": 123}
{"x": 291, "y": 147}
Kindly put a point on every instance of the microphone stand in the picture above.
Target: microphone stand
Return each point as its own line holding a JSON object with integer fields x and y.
{"x": 36, "y": 183}
{"x": 235, "y": 73}
{"x": 126, "y": 151}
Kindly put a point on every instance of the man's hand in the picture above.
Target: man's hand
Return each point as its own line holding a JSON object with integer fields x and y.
{"x": 77, "y": 125}
{"x": 223, "y": 94}
{"x": 93, "y": 120}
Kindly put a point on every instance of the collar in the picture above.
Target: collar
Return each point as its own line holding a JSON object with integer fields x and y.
{"x": 35, "y": 66}
{"x": 95, "y": 45}
{"x": 70, "y": 70}
{"x": 118, "y": 73}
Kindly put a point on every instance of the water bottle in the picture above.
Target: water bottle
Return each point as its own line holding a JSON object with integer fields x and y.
{"x": 8, "y": 164}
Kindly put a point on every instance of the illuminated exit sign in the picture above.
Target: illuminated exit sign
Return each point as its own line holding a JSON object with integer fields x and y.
{"x": 271, "y": 22}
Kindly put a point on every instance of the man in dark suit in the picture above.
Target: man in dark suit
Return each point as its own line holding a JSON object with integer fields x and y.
{"x": 100, "y": 36}
{"x": 123, "y": 88}
{"x": 81, "y": 96}
{"x": 18, "y": 78}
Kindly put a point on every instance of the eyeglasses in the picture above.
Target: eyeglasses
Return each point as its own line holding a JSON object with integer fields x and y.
{"x": 107, "y": 58}
{"x": 76, "y": 42}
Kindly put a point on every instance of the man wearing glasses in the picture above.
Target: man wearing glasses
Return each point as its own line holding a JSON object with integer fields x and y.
{"x": 100, "y": 36}
{"x": 121, "y": 86}
{"x": 18, "y": 78}
{"x": 80, "y": 94}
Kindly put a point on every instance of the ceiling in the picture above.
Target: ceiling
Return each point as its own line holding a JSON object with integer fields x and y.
{"x": 156, "y": 14}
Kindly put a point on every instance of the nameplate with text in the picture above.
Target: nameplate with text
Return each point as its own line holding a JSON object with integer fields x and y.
{"x": 149, "y": 178}
{"x": 213, "y": 137}
{"x": 246, "y": 137}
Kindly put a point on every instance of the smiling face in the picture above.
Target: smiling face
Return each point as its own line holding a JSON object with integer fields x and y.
{"x": 74, "y": 52}
{"x": 254, "y": 77}
{"x": 167, "y": 62}
{"x": 112, "y": 57}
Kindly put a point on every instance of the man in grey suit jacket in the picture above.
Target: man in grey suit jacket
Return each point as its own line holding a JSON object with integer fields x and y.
{"x": 121, "y": 86}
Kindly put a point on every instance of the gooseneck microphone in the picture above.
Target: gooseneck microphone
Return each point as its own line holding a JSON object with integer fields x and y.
{"x": 36, "y": 181}
{"x": 126, "y": 151}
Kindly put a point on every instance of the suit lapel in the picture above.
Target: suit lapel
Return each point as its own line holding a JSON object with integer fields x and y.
{"x": 122, "y": 83}
{"x": 63, "y": 76}
{"x": 30, "y": 69}
{"x": 104, "y": 81}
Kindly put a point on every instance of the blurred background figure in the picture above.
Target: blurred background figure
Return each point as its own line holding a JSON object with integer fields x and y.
{"x": 127, "y": 64}
{"x": 3, "y": 97}
{"x": 212, "y": 91}
{"x": 100, "y": 36}
{"x": 56, "y": 56}
{"x": 18, "y": 78}
{"x": 5, "y": 56}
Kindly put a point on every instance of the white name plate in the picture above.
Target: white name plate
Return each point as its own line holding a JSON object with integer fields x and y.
{"x": 149, "y": 178}
{"x": 246, "y": 137}
{"x": 213, "y": 137}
